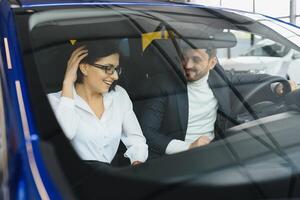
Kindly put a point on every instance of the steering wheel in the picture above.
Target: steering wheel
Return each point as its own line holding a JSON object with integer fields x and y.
{"x": 261, "y": 86}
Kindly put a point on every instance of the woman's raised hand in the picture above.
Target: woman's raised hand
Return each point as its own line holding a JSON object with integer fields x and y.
{"x": 71, "y": 71}
{"x": 73, "y": 64}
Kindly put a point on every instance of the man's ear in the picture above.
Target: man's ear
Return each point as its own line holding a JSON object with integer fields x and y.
{"x": 213, "y": 61}
{"x": 83, "y": 68}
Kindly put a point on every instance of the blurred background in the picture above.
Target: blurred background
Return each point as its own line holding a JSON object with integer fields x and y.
{"x": 250, "y": 54}
{"x": 286, "y": 10}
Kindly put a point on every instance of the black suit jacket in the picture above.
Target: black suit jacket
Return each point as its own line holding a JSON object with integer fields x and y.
{"x": 163, "y": 114}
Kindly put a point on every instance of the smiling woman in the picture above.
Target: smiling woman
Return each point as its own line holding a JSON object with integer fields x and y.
{"x": 94, "y": 113}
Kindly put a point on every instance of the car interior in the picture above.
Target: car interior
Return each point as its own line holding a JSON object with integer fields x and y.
{"x": 140, "y": 67}
{"x": 140, "y": 64}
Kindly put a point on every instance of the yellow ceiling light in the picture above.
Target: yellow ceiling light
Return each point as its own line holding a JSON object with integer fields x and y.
{"x": 147, "y": 38}
{"x": 73, "y": 42}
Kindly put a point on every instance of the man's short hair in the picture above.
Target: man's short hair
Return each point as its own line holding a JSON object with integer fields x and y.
{"x": 211, "y": 52}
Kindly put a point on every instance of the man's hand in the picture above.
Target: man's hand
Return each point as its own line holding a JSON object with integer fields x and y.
{"x": 279, "y": 89}
{"x": 202, "y": 140}
{"x": 136, "y": 162}
{"x": 293, "y": 85}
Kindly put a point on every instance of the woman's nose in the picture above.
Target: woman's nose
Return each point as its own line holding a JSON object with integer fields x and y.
{"x": 115, "y": 76}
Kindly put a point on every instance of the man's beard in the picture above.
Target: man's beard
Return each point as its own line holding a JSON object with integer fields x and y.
{"x": 193, "y": 75}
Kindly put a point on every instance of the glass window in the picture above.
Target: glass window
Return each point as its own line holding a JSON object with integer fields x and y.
{"x": 187, "y": 72}
{"x": 253, "y": 53}
{"x": 153, "y": 44}
{"x": 271, "y": 50}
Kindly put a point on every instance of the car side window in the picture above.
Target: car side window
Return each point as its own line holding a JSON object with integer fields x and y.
{"x": 257, "y": 55}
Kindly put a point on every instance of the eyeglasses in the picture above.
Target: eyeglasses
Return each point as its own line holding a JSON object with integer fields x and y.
{"x": 109, "y": 69}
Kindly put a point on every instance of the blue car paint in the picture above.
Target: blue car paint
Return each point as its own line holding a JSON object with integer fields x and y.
{"x": 14, "y": 141}
{"x": 27, "y": 175}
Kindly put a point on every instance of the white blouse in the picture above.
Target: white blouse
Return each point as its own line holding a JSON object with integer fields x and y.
{"x": 98, "y": 138}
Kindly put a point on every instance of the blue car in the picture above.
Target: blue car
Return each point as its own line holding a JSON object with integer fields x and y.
{"x": 255, "y": 153}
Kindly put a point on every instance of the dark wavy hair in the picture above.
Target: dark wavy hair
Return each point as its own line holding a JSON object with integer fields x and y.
{"x": 96, "y": 51}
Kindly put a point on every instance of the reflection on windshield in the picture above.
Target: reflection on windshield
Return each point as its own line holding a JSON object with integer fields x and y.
{"x": 165, "y": 64}
{"x": 275, "y": 50}
{"x": 280, "y": 27}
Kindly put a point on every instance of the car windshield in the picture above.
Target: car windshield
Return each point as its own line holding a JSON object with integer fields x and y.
{"x": 179, "y": 70}
{"x": 267, "y": 48}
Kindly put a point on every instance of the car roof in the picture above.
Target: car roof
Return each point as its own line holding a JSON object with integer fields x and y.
{"x": 32, "y": 3}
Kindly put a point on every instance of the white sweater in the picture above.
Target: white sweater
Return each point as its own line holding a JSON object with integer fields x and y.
{"x": 202, "y": 115}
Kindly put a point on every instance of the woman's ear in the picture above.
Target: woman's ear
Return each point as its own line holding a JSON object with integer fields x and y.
{"x": 83, "y": 68}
